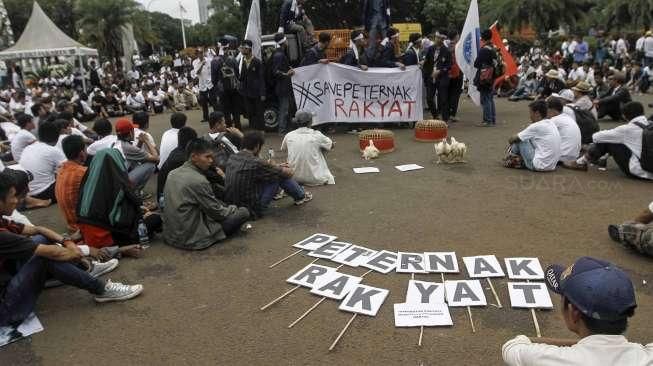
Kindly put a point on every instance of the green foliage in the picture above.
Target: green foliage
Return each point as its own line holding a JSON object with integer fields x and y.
{"x": 444, "y": 15}
{"x": 57, "y": 71}
{"x": 541, "y": 15}
{"x": 62, "y": 13}
{"x": 630, "y": 15}
{"x": 101, "y": 24}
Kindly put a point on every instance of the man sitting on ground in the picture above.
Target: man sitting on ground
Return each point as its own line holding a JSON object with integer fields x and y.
{"x": 141, "y": 162}
{"x": 20, "y": 290}
{"x": 597, "y": 298}
{"x": 176, "y": 159}
{"x": 193, "y": 217}
{"x": 623, "y": 143}
{"x": 636, "y": 234}
{"x": 306, "y": 152}
{"x": 24, "y": 137}
{"x": 538, "y": 146}
{"x": 253, "y": 183}
{"x": 105, "y": 139}
{"x": 169, "y": 139}
{"x": 42, "y": 159}
{"x": 570, "y": 138}
{"x": 610, "y": 104}
{"x": 227, "y": 140}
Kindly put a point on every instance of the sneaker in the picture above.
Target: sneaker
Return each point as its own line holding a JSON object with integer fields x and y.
{"x": 574, "y": 166}
{"x": 308, "y": 196}
{"x": 482, "y": 124}
{"x": 613, "y": 231}
{"x": 116, "y": 291}
{"x": 246, "y": 227}
{"x": 602, "y": 164}
{"x": 100, "y": 268}
{"x": 279, "y": 195}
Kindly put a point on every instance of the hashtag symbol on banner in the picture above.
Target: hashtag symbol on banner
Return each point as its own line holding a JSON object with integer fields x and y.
{"x": 305, "y": 95}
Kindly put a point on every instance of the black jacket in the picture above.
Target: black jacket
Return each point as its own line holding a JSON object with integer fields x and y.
{"x": 410, "y": 57}
{"x": 287, "y": 16}
{"x": 621, "y": 97}
{"x": 367, "y": 15}
{"x": 252, "y": 79}
{"x": 313, "y": 56}
{"x": 349, "y": 58}
{"x": 437, "y": 58}
{"x": 551, "y": 86}
{"x": 486, "y": 57}
{"x": 382, "y": 56}
{"x": 281, "y": 65}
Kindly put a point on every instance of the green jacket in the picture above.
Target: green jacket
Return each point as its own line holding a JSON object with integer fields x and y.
{"x": 191, "y": 214}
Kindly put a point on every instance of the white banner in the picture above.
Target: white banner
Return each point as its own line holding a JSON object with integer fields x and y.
{"x": 339, "y": 93}
{"x": 467, "y": 50}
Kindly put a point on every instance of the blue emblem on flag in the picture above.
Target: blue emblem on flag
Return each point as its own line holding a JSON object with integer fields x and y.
{"x": 467, "y": 48}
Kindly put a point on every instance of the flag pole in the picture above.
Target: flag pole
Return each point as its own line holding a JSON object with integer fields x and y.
{"x": 183, "y": 29}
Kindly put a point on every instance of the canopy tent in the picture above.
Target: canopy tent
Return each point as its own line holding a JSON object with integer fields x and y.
{"x": 42, "y": 38}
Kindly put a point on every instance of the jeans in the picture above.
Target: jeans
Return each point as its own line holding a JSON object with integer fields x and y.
{"x": 304, "y": 31}
{"x": 487, "y": 102}
{"x": 289, "y": 185}
{"x": 233, "y": 222}
{"x": 21, "y": 293}
{"x": 141, "y": 174}
{"x": 619, "y": 152}
{"x": 378, "y": 27}
{"x": 284, "y": 105}
{"x": 526, "y": 150}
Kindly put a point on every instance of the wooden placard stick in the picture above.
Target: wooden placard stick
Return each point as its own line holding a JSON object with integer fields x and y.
{"x": 284, "y": 259}
{"x": 496, "y": 297}
{"x": 471, "y": 320}
{"x": 535, "y": 322}
{"x": 342, "y": 332}
{"x": 421, "y": 327}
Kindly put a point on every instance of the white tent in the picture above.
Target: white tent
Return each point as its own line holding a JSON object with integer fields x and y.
{"x": 42, "y": 38}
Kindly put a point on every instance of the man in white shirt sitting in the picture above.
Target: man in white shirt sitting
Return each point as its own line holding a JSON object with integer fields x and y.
{"x": 24, "y": 137}
{"x": 570, "y": 138}
{"x": 623, "y": 143}
{"x": 156, "y": 97}
{"x": 306, "y": 152}
{"x": 136, "y": 102}
{"x": 42, "y": 159}
{"x": 537, "y": 147}
{"x": 597, "y": 298}
{"x": 169, "y": 139}
{"x": 105, "y": 139}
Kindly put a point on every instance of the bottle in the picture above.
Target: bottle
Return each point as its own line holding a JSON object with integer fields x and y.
{"x": 142, "y": 233}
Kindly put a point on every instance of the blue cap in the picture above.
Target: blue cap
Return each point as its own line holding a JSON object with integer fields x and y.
{"x": 599, "y": 289}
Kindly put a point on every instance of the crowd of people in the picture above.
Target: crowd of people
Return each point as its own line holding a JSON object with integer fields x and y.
{"x": 213, "y": 186}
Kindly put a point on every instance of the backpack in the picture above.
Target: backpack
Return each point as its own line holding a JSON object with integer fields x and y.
{"x": 498, "y": 64}
{"x": 646, "y": 160}
{"x": 221, "y": 152}
{"x": 587, "y": 123}
{"x": 228, "y": 75}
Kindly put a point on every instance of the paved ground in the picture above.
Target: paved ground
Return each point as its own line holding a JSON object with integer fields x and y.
{"x": 202, "y": 308}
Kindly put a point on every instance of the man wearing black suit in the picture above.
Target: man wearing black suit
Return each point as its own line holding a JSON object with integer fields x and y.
{"x": 355, "y": 55}
{"x": 384, "y": 54}
{"x": 437, "y": 63}
{"x": 317, "y": 53}
{"x": 252, "y": 85}
{"x": 411, "y": 56}
{"x": 611, "y": 103}
{"x": 376, "y": 18}
{"x": 293, "y": 19}
{"x": 282, "y": 73}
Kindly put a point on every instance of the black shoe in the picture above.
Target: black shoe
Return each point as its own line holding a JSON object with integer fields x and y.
{"x": 613, "y": 231}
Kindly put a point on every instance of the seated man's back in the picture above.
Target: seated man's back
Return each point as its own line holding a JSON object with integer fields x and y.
{"x": 306, "y": 149}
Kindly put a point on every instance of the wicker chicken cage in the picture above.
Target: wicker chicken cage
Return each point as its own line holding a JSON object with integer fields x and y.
{"x": 339, "y": 43}
{"x": 384, "y": 140}
{"x": 430, "y": 130}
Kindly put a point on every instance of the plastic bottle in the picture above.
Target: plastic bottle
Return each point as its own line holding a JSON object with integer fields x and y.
{"x": 142, "y": 233}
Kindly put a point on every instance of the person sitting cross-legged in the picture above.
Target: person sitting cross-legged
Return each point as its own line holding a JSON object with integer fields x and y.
{"x": 141, "y": 161}
{"x": 193, "y": 217}
{"x": 623, "y": 143}
{"x": 19, "y": 290}
{"x": 570, "y": 137}
{"x": 176, "y": 159}
{"x": 597, "y": 298}
{"x": 538, "y": 146}
{"x": 253, "y": 182}
{"x": 636, "y": 234}
{"x": 306, "y": 152}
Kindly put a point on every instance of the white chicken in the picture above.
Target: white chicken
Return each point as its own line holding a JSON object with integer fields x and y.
{"x": 371, "y": 151}
{"x": 450, "y": 153}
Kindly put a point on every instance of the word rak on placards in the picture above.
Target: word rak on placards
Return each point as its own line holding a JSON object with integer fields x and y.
{"x": 427, "y": 303}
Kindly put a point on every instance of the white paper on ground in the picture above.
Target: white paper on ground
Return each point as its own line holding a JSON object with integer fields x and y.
{"x": 422, "y": 292}
{"x": 524, "y": 268}
{"x": 314, "y": 241}
{"x": 428, "y": 315}
{"x": 483, "y": 266}
{"x": 28, "y": 327}
{"x": 410, "y": 263}
{"x": 365, "y": 300}
{"x": 408, "y": 167}
{"x": 465, "y": 293}
{"x": 367, "y": 169}
{"x": 335, "y": 285}
{"x": 309, "y": 275}
{"x": 354, "y": 256}
{"x": 529, "y": 295}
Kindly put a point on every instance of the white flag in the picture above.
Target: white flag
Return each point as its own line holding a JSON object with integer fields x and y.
{"x": 467, "y": 50}
{"x": 253, "y": 31}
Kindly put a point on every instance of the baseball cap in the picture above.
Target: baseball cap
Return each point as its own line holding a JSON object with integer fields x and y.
{"x": 124, "y": 126}
{"x": 599, "y": 289}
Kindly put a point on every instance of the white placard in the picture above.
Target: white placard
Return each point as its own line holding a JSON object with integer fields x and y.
{"x": 529, "y": 295}
{"x": 524, "y": 268}
{"x": 335, "y": 285}
{"x": 483, "y": 266}
{"x": 384, "y": 262}
{"x": 345, "y": 94}
{"x": 365, "y": 300}
{"x": 410, "y": 263}
{"x": 308, "y": 275}
{"x": 422, "y": 292}
{"x": 314, "y": 241}
{"x": 366, "y": 170}
{"x": 329, "y": 250}
{"x": 465, "y": 293}
{"x": 416, "y": 315}
{"x": 408, "y": 167}
{"x": 354, "y": 256}
{"x": 29, "y": 326}
{"x": 441, "y": 262}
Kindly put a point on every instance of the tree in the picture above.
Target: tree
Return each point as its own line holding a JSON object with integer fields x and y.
{"x": 101, "y": 24}
{"x": 62, "y": 13}
{"x": 633, "y": 14}
{"x": 444, "y": 15}
{"x": 541, "y": 15}
{"x": 227, "y": 19}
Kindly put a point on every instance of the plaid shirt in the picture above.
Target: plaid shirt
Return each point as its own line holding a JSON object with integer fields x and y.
{"x": 245, "y": 176}
{"x": 69, "y": 181}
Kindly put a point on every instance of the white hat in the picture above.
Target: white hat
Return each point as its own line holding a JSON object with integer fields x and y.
{"x": 565, "y": 94}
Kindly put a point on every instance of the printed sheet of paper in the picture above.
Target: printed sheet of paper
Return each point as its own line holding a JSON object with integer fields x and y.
{"x": 408, "y": 167}
{"x": 428, "y": 315}
{"x": 529, "y": 295}
{"x": 366, "y": 170}
{"x": 28, "y": 327}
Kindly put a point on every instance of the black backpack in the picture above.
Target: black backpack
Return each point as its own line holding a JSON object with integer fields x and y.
{"x": 646, "y": 160}
{"x": 228, "y": 75}
{"x": 221, "y": 151}
{"x": 587, "y": 123}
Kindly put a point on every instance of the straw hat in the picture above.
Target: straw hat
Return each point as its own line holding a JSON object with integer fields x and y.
{"x": 582, "y": 87}
{"x": 553, "y": 74}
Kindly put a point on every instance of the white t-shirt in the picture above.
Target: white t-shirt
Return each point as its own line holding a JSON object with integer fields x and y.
{"x": 22, "y": 139}
{"x": 570, "y": 138}
{"x": 138, "y": 132}
{"x": 306, "y": 149}
{"x": 42, "y": 160}
{"x": 631, "y": 136}
{"x": 545, "y": 138}
{"x": 101, "y": 144}
{"x": 589, "y": 351}
{"x": 169, "y": 142}
{"x": 10, "y": 128}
